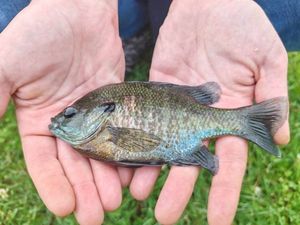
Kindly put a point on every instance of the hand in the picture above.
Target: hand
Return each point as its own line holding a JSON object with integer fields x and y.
{"x": 233, "y": 44}
{"x": 52, "y": 53}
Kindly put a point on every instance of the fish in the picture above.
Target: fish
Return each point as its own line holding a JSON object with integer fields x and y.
{"x": 154, "y": 123}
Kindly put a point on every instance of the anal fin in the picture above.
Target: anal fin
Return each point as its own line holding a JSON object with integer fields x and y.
{"x": 200, "y": 156}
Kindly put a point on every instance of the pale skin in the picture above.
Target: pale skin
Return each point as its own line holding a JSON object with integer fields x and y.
{"x": 49, "y": 61}
{"x": 51, "y": 54}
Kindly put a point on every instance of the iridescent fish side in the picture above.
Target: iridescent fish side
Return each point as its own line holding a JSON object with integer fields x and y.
{"x": 152, "y": 123}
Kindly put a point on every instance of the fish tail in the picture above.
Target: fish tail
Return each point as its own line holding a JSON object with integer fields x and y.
{"x": 263, "y": 120}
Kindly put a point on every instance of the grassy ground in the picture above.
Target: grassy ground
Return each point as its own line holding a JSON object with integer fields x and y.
{"x": 270, "y": 195}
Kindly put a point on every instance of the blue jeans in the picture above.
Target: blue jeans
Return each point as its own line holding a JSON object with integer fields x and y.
{"x": 9, "y": 9}
{"x": 136, "y": 14}
{"x": 132, "y": 17}
{"x": 285, "y": 17}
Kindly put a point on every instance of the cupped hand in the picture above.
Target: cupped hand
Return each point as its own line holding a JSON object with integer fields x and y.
{"x": 52, "y": 53}
{"x": 234, "y": 44}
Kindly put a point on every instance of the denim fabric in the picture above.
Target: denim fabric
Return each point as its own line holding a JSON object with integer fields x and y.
{"x": 133, "y": 16}
{"x": 9, "y": 9}
{"x": 158, "y": 9}
{"x": 285, "y": 17}
{"x": 136, "y": 14}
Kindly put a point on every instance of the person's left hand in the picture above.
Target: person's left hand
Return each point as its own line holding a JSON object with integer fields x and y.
{"x": 52, "y": 53}
{"x": 234, "y": 44}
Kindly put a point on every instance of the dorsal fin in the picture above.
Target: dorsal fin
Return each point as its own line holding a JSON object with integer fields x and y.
{"x": 206, "y": 94}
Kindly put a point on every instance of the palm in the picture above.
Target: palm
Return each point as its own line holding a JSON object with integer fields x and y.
{"x": 54, "y": 61}
{"x": 249, "y": 63}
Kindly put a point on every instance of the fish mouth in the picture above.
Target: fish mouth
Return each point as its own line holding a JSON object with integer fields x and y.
{"x": 53, "y": 125}
{"x": 60, "y": 133}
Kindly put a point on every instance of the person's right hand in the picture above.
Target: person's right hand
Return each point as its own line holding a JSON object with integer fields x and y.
{"x": 52, "y": 53}
{"x": 234, "y": 44}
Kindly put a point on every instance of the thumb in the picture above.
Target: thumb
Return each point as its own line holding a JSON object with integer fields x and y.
{"x": 4, "y": 94}
{"x": 272, "y": 82}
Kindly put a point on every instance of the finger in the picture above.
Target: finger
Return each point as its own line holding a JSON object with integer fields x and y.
{"x": 108, "y": 183}
{"x": 77, "y": 168}
{"x": 4, "y": 94}
{"x": 143, "y": 182}
{"x": 272, "y": 82}
{"x": 48, "y": 175}
{"x": 125, "y": 175}
{"x": 4, "y": 99}
{"x": 175, "y": 194}
{"x": 226, "y": 184}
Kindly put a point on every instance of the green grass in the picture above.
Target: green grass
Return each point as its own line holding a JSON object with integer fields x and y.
{"x": 270, "y": 195}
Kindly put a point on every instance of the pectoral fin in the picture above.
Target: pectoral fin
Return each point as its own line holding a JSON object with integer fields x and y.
{"x": 199, "y": 156}
{"x": 134, "y": 140}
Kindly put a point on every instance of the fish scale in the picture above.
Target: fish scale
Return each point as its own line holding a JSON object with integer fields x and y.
{"x": 189, "y": 122}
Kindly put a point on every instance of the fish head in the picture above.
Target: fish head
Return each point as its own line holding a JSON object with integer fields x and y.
{"x": 78, "y": 124}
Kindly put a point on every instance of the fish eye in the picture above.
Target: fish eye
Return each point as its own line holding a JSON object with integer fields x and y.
{"x": 109, "y": 107}
{"x": 70, "y": 112}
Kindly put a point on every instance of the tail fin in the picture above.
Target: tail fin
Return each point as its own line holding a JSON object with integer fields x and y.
{"x": 263, "y": 120}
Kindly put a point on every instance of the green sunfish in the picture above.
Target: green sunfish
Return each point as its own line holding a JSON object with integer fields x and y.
{"x": 152, "y": 123}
